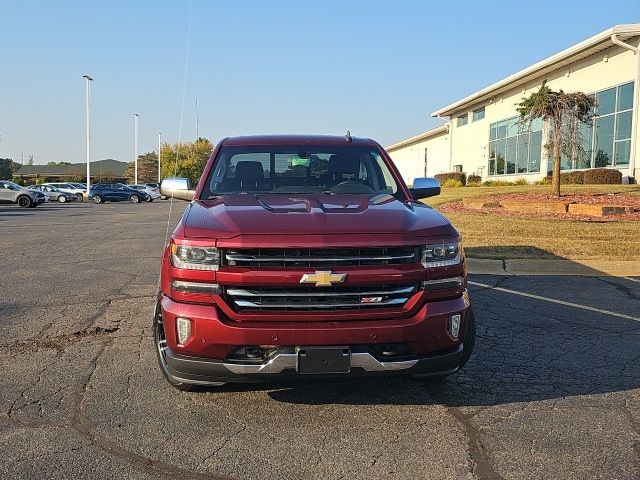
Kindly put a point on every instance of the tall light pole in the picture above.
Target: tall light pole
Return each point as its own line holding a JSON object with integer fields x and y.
{"x": 135, "y": 146}
{"x": 88, "y": 79}
{"x": 197, "y": 121}
{"x": 159, "y": 151}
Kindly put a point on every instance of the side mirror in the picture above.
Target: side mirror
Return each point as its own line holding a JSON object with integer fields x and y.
{"x": 177, "y": 187}
{"x": 425, "y": 187}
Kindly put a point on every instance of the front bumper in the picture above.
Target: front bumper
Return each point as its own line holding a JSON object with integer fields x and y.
{"x": 205, "y": 371}
{"x": 204, "y": 358}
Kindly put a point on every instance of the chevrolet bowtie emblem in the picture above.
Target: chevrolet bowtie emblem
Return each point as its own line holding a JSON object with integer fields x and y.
{"x": 323, "y": 278}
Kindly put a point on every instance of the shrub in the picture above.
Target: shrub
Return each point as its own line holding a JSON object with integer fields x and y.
{"x": 474, "y": 179}
{"x": 544, "y": 181}
{"x": 521, "y": 181}
{"x": 497, "y": 183}
{"x": 451, "y": 182}
{"x": 603, "y": 176}
{"x": 569, "y": 178}
{"x": 459, "y": 176}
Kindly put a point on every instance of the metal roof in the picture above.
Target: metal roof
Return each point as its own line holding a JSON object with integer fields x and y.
{"x": 581, "y": 50}
{"x": 114, "y": 167}
{"x": 442, "y": 129}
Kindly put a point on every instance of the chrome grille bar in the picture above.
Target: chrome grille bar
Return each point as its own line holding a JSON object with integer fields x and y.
{"x": 320, "y": 257}
{"x": 237, "y": 292}
{"x": 305, "y": 306}
{"x": 253, "y": 258}
{"x": 312, "y": 298}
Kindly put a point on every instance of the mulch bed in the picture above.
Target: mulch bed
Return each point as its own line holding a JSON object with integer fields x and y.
{"x": 606, "y": 198}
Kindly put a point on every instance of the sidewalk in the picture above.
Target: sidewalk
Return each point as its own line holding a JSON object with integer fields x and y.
{"x": 554, "y": 267}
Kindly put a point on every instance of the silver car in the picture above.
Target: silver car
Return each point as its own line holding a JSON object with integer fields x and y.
{"x": 152, "y": 192}
{"x": 69, "y": 188}
{"x": 54, "y": 194}
{"x": 13, "y": 193}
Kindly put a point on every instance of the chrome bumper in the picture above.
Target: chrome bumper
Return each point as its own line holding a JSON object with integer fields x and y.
{"x": 214, "y": 372}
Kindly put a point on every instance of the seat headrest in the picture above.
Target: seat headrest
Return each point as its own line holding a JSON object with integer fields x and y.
{"x": 340, "y": 163}
{"x": 247, "y": 170}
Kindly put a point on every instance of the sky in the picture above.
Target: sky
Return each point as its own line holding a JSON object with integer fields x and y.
{"x": 376, "y": 68}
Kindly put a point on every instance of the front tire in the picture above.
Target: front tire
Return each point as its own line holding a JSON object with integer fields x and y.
{"x": 161, "y": 344}
{"x": 97, "y": 199}
{"x": 25, "y": 201}
{"x": 79, "y": 198}
{"x": 134, "y": 198}
{"x": 62, "y": 199}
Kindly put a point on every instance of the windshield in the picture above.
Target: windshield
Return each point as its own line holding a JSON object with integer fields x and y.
{"x": 299, "y": 169}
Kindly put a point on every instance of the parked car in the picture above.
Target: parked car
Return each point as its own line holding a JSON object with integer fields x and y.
{"x": 152, "y": 192}
{"x": 157, "y": 185}
{"x": 69, "y": 188}
{"x": 308, "y": 255}
{"x": 115, "y": 192}
{"x": 13, "y": 193}
{"x": 54, "y": 194}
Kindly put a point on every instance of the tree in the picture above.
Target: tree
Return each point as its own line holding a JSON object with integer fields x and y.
{"x": 6, "y": 168}
{"x": 30, "y": 160}
{"x": 186, "y": 159}
{"x": 564, "y": 113}
{"x": 147, "y": 168}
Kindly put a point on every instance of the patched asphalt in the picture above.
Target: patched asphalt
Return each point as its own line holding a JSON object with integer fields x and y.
{"x": 552, "y": 391}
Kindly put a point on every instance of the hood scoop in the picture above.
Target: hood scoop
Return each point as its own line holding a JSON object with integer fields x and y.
{"x": 305, "y": 204}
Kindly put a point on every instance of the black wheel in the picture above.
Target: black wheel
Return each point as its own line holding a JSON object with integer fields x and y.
{"x": 25, "y": 201}
{"x": 79, "y": 197}
{"x": 134, "y": 198}
{"x": 161, "y": 345}
{"x": 469, "y": 344}
{"x": 62, "y": 199}
{"x": 97, "y": 199}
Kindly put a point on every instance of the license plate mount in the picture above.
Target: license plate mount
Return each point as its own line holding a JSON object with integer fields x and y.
{"x": 323, "y": 360}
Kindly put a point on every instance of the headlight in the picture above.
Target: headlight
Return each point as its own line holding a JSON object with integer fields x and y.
{"x": 193, "y": 257}
{"x": 441, "y": 254}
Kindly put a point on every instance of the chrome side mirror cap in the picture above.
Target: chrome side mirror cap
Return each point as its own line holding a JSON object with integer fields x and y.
{"x": 177, "y": 187}
{"x": 425, "y": 187}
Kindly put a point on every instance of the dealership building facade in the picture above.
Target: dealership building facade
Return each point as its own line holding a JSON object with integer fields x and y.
{"x": 482, "y": 134}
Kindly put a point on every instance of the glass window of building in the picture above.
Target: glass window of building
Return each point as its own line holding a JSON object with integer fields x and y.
{"x": 478, "y": 114}
{"x": 515, "y": 147}
{"x": 607, "y": 140}
{"x": 463, "y": 120}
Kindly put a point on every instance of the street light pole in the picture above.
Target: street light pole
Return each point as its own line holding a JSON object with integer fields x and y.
{"x": 135, "y": 146}
{"x": 159, "y": 151}
{"x": 88, "y": 79}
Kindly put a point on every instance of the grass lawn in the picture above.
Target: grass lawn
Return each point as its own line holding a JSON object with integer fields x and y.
{"x": 492, "y": 236}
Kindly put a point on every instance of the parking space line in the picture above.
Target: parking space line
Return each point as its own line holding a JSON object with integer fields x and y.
{"x": 631, "y": 279}
{"x": 553, "y": 300}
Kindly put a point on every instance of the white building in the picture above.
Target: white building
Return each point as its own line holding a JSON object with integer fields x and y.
{"x": 481, "y": 134}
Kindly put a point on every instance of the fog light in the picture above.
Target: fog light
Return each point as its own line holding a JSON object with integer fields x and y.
{"x": 454, "y": 325}
{"x": 183, "y": 327}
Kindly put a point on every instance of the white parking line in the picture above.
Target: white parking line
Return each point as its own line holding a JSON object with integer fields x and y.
{"x": 553, "y": 300}
{"x": 631, "y": 279}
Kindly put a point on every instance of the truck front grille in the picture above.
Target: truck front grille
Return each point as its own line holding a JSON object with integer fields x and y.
{"x": 320, "y": 257}
{"x": 312, "y": 298}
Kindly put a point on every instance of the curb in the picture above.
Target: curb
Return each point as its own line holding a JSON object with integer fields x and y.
{"x": 589, "y": 268}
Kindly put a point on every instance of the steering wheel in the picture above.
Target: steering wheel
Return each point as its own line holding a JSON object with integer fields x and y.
{"x": 351, "y": 186}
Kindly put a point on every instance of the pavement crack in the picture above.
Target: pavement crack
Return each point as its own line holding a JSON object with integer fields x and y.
{"x": 480, "y": 463}
{"x": 224, "y": 444}
{"x": 59, "y": 342}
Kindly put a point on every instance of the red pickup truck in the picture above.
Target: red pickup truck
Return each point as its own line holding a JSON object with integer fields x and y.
{"x": 308, "y": 255}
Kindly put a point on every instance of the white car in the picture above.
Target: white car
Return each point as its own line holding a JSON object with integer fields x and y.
{"x": 152, "y": 192}
{"x": 69, "y": 188}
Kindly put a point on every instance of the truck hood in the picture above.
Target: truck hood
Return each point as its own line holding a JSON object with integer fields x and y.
{"x": 229, "y": 216}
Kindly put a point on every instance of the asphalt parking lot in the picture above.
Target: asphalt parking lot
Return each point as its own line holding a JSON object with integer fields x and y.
{"x": 552, "y": 390}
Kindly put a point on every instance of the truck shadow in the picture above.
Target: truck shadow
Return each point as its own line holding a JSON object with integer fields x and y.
{"x": 527, "y": 349}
